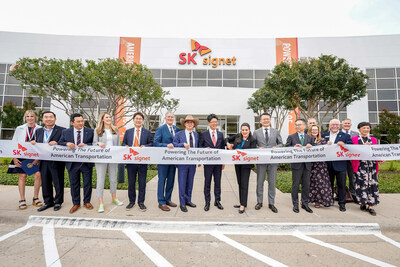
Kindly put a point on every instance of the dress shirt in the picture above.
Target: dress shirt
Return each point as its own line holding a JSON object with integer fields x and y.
{"x": 76, "y": 134}
{"x": 332, "y": 136}
{"x": 109, "y": 137}
{"x": 303, "y": 134}
{"x": 135, "y": 133}
{"x": 47, "y": 134}
{"x": 188, "y": 138}
{"x": 215, "y": 134}
{"x": 171, "y": 128}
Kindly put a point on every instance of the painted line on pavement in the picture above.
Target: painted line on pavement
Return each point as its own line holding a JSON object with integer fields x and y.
{"x": 50, "y": 246}
{"x": 341, "y": 250}
{"x": 17, "y": 231}
{"x": 152, "y": 254}
{"x": 389, "y": 240}
{"x": 247, "y": 250}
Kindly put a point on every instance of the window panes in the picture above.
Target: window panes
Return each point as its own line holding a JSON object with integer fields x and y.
{"x": 12, "y": 80}
{"x": 386, "y": 83}
{"x": 385, "y": 73}
{"x": 217, "y": 83}
{"x": 202, "y": 74}
{"x": 261, "y": 74}
{"x": 17, "y": 100}
{"x": 168, "y": 74}
{"x": 389, "y": 105}
{"x": 371, "y": 94}
{"x": 387, "y": 94}
{"x": 187, "y": 74}
{"x": 199, "y": 82}
{"x": 371, "y": 84}
{"x": 230, "y": 83}
{"x": 2, "y": 78}
{"x": 370, "y": 73}
{"x": 245, "y": 74}
{"x": 183, "y": 83}
{"x": 2, "y": 68}
{"x": 372, "y": 106}
{"x": 168, "y": 82}
{"x": 246, "y": 83}
{"x": 259, "y": 83}
{"x": 230, "y": 74}
{"x": 156, "y": 73}
{"x": 214, "y": 74}
{"x": 14, "y": 90}
{"x": 373, "y": 117}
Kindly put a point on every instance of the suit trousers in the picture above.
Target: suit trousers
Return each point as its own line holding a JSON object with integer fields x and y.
{"x": 185, "y": 182}
{"x": 271, "y": 171}
{"x": 52, "y": 173}
{"x": 101, "y": 169}
{"x": 74, "y": 174}
{"x": 243, "y": 176}
{"x": 352, "y": 179}
{"x": 166, "y": 179}
{"x": 300, "y": 176}
{"x": 141, "y": 171}
{"x": 209, "y": 171}
{"x": 341, "y": 184}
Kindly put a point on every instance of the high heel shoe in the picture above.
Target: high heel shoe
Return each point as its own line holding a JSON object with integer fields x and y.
{"x": 241, "y": 210}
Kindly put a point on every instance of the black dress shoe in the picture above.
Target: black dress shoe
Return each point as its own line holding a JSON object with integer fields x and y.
{"x": 342, "y": 207}
{"x": 142, "y": 207}
{"x": 207, "y": 206}
{"x": 273, "y": 208}
{"x": 45, "y": 207}
{"x": 258, "y": 206}
{"x": 57, "y": 207}
{"x": 306, "y": 207}
{"x": 218, "y": 205}
{"x": 191, "y": 204}
{"x": 236, "y": 206}
{"x": 296, "y": 209}
{"x": 372, "y": 212}
{"x": 130, "y": 205}
{"x": 183, "y": 208}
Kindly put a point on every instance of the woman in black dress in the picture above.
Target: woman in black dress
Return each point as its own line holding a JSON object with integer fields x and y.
{"x": 320, "y": 185}
{"x": 242, "y": 140}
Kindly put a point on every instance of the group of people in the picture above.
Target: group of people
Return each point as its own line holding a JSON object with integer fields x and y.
{"x": 317, "y": 179}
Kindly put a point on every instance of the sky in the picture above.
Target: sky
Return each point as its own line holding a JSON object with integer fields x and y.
{"x": 202, "y": 19}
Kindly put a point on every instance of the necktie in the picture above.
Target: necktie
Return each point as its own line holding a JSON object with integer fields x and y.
{"x": 347, "y": 132}
{"x": 78, "y": 138}
{"x": 172, "y": 132}
{"x": 136, "y": 142}
{"x": 213, "y": 139}
{"x": 266, "y": 136}
{"x": 191, "y": 139}
{"x": 302, "y": 139}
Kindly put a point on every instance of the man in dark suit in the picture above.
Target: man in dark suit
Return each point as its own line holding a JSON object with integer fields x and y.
{"x": 52, "y": 172}
{"x": 78, "y": 136}
{"x": 166, "y": 173}
{"x": 338, "y": 168}
{"x": 300, "y": 171}
{"x": 212, "y": 138}
{"x": 187, "y": 139}
{"x": 137, "y": 137}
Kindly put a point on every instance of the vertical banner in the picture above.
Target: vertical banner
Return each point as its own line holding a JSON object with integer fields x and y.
{"x": 129, "y": 49}
{"x": 287, "y": 50}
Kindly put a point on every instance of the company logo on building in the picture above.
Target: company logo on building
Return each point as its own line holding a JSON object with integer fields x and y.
{"x": 18, "y": 152}
{"x": 133, "y": 155}
{"x": 197, "y": 48}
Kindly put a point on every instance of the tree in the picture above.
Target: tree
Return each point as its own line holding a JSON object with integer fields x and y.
{"x": 389, "y": 125}
{"x": 90, "y": 87}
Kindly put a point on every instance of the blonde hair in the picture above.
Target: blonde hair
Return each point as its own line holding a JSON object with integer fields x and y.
{"x": 100, "y": 125}
{"x": 319, "y": 132}
{"x": 30, "y": 111}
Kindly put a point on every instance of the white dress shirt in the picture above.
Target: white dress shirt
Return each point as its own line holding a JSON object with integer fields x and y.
{"x": 188, "y": 138}
{"x": 76, "y": 135}
{"x": 332, "y": 136}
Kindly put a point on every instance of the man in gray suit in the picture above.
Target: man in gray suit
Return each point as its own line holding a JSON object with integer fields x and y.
{"x": 267, "y": 137}
{"x": 300, "y": 171}
{"x": 346, "y": 128}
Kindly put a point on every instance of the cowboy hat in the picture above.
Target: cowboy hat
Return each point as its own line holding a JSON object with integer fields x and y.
{"x": 189, "y": 118}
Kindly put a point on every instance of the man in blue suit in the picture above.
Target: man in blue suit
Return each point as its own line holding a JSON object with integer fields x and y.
{"x": 338, "y": 168}
{"x": 166, "y": 173}
{"x": 137, "y": 137}
{"x": 78, "y": 136}
{"x": 212, "y": 138}
{"x": 187, "y": 139}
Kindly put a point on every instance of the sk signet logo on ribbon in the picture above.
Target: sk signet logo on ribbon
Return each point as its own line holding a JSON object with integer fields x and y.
{"x": 18, "y": 152}
{"x": 133, "y": 155}
{"x": 344, "y": 152}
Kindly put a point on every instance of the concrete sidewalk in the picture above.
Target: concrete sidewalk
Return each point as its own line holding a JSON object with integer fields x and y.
{"x": 388, "y": 211}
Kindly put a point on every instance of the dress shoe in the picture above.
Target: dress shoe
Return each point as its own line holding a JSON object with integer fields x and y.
{"x": 306, "y": 207}
{"x": 171, "y": 204}
{"x": 296, "y": 209}
{"x": 130, "y": 205}
{"x": 218, "y": 205}
{"x": 241, "y": 211}
{"x": 363, "y": 208}
{"x": 207, "y": 206}
{"x": 57, "y": 207}
{"x": 342, "y": 207}
{"x": 164, "y": 207}
{"x": 74, "y": 208}
{"x": 142, "y": 207}
{"x": 273, "y": 208}
{"x": 45, "y": 207}
{"x": 88, "y": 206}
{"x": 236, "y": 206}
{"x": 191, "y": 204}
{"x": 258, "y": 206}
{"x": 372, "y": 212}
{"x": 183, "y": 208}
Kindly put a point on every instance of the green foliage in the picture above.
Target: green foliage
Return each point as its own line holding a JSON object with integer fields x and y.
{"x": 389, "y": 125}
{"x": 391, "y": 165}
{"x": 11, "y": 116}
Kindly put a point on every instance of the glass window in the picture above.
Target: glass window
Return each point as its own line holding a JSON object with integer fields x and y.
{"x": 158, "y": 81}
{"x": 217, "y": 83}
{"x": 371, "y": 94}
{"x": 386, "y": 83}
{"x": 17, "y": 100}
{"x": 230, "y": 74}
{"x": 199, "y": 74}
{"x": 185, "y": 83}
{"x": 168, "y": 83}
{"x": 2, "y": 78}
{"x": 246, "y": 83}
{"x": 387, "y": 94}
{"x": 230, "y": 83}
{"x": 259, "y": 83}
{"x": 12, "y": 80}
{"x": 370, "y": 73}
{"x": 245, "y": 74}
{"x": 2, "y": 68}
{"x": 371, "y": 84}
{"x": 385, "y": 73}
{"x": 168, "y": 74}
{"x": 373, "y": 117}
{"x": 261, "y": 74}
{"x": 342, "y": 115}
{"x": 46, "y": 102}
{"x": 156, "y": 73}
{"x": 13, "y": 90}
{"x": 199, "y": 82}
{"x": 214, "y": 74}
{"x": 372, "y": 106}
{"x": 184, "y": 74}
{"x": 389, "y": 105}
{"x": 37, "y": 100}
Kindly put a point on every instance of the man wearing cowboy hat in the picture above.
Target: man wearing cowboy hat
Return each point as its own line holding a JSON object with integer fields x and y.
{"x": 187, "y": 139}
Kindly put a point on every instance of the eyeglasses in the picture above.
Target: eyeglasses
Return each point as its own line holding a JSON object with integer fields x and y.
{"x": 298, "y": 125}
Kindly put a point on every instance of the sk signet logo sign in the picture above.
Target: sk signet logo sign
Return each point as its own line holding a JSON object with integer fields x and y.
{"x": 189, "y": 58}
{"x": 133, "y": 155}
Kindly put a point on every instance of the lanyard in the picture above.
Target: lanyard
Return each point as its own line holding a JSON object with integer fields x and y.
{"x": 47, "y": 135}
{"x": 362, "y": 140}
{"x": 29, "y": 135}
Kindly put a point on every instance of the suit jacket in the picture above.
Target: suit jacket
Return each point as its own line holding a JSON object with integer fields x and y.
{"x": 293, "y": 140}
{"x": 205, "y": 140}
{"x": 67, "y": 135}
{"x": 248, "y": 144}
{"x": 103, "y": 138}
{"x": 275, "y": 138}
{"x": 180, "y": 139}
{"x": 345, "y": 138}
{"x": 20, "y": 132}
{"x": 55, "y": 136}
{"x": 163, "y": 136}
{"x": 146, "y": 139}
